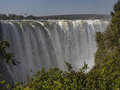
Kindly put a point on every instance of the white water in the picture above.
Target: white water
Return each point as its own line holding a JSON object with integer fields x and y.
{"x": 47, "y": 44}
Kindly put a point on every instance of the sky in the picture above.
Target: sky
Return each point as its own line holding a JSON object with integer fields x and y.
{"x": 56, "y": 7}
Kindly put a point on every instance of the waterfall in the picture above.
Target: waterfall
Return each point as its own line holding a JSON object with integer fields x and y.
{"x": 49, "y": 43}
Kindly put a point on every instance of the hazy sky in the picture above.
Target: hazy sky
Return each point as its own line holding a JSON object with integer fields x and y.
{"x": 56, "y": 7}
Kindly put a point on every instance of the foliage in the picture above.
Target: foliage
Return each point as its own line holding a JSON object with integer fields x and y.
{"x": 55, "y": 78}
{"x": 16, "y": 17}
{"x": 105, "y": 76}
{"x": 2, "y": 82}
{"x": 4, "y": 54}
{"x": 116, "y": 8}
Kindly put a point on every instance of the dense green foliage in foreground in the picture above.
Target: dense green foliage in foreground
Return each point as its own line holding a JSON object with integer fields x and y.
{"x": 104, "y": 75}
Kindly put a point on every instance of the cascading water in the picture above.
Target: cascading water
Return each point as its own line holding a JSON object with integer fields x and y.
{"x": 49, "y": 43}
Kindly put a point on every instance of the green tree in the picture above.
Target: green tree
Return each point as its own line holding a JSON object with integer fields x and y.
{"x": 4, "y": 54}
